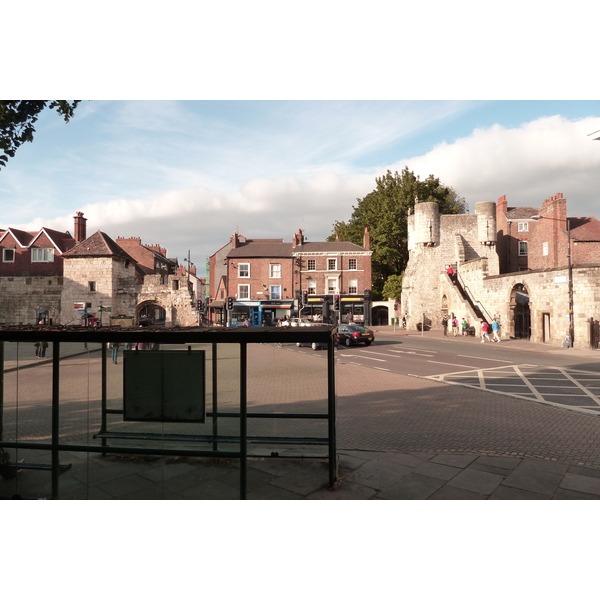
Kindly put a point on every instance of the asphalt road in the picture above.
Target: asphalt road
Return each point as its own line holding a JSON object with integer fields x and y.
{"x": 505, "y": 367}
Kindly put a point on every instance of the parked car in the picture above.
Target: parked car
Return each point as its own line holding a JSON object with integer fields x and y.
{"x": 350, "y": 335}
{"x": 300, "y": 322}
{"x": 313, "y": 345}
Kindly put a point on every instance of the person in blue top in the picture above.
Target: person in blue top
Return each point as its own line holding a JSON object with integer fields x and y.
{"x": 495, "y": 330}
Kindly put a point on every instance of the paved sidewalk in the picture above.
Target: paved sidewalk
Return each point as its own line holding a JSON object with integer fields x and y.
{"x": 511, "y": 473}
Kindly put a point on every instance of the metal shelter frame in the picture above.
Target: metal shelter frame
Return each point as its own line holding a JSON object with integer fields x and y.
{"x": 240, "y": 336}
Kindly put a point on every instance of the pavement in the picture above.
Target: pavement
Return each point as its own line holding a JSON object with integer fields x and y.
{"x": 513, "y": 472}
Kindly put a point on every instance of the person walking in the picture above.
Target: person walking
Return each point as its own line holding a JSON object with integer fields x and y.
{"x": 114, "y": 352}
{"x": 445, "y": 324}
{"x": 465, "y": 327}
{"x": 484, "y": 332}
{"x": 495, "y": 330}
{"x": 454, "y": 326}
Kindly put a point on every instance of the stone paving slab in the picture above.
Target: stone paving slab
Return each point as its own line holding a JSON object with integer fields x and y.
{"x": 411, "y": 487}
{"x": 477, "y": 481}
{"x": 581, "y": 483}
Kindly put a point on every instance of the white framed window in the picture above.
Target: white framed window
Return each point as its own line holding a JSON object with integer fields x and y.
{"x": 244, "y": 270}
{"x": 42, "y": 255}
{"x": 8, "y": 255}
{"x": 332, "y": 285}
{"x": 523, "y": 226}
{"x": 352, "y": 264}
{"x": 275, "y": 292}
{"x": 522, "y": 248}
{"x": 353, "y": 286}
{"x": 545, "y": 249}
{"x": 243, "y": 291}
{"x": 312, "y": 287}
{"x": 311, "y": 264}
{"x": 332, "y": 264}
{"x": 275, "y": 271}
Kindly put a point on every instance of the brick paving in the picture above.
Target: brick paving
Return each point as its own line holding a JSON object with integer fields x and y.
{"x": 400, "y": 437}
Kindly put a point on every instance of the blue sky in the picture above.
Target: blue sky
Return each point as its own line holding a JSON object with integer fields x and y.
{"x": 211, "y": 118}
{"x": 187, "y": 174}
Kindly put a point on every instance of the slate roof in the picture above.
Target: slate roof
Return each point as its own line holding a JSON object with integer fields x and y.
{"x": 280, "y": 249}
{"x": 62, "y": 240}
{"x": 98, "y": 244}
{"x": 521, "y": 212}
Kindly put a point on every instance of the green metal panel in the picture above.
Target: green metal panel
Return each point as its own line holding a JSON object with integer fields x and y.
{"x": 164, "y": 386}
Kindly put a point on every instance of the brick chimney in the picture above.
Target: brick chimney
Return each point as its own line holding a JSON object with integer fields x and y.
{"x": 80, "y": 228}
{"x": 235, "y": 240}
{"x": 298, "y": 238}
{"x": 366, "y": 239}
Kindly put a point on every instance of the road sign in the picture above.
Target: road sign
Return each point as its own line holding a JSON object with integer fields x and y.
{"x": 78, "y": 305}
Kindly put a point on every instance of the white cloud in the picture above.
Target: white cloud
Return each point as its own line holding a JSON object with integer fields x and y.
{"x": 311, "y": 185}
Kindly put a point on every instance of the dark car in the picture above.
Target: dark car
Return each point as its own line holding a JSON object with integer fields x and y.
{"x": 313, "y": 345}
{"x": 349, "y": 335}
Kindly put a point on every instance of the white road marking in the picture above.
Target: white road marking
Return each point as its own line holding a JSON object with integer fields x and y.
{"x": 437, "y": 362}
{"x": 482, "y": 358}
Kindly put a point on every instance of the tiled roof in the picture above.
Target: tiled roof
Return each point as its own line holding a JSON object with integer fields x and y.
{"x": 585, "y": 229}
{"x": 98, "y": 244}
{"x": 521, "y": 212}
{"x": 23, "y": 237}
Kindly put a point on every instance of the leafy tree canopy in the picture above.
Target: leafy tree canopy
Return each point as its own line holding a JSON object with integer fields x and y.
{"x": 17, "y": 120}
{"x": 392, "y": 288}
{"x": 384, "y": 211}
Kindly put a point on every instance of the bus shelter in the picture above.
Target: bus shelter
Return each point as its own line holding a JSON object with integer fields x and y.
{"x": 112, "y": 392}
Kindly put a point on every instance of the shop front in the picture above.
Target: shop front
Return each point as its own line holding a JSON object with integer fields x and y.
{"x": 272, "y": 310}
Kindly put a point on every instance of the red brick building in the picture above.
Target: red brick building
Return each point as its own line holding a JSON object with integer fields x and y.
{"x": 269, "y": 279}
{"x": 37, "y": 253}
{"x": 534, "y": 239}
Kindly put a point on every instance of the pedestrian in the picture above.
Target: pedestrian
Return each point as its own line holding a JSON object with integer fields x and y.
{"x": 445, "y": 324}
{"x": 454, "y": 325}
{"x": 495, "y": 330}
{"x": 484, "y": 332}
{"x": 246, "y": 323}
{"x": 450, "y": 272}
{"x": 404, "y": 320}
{"x": 40, "y": 349}
{"x": 465, "y": 327}
{"x": 114, "y": 352}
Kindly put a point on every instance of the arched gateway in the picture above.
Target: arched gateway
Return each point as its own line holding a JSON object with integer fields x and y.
{"x": 150, "y": 312}
{"x": 520, "y": 314}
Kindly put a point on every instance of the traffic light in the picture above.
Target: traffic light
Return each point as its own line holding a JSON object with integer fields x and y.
{"x": 229, "y": 303}
{"x": 336, "y": 303}
{"x": 200, "y": 305}
{"x": 305, "y": 297}
{"x": 367, "y": 295}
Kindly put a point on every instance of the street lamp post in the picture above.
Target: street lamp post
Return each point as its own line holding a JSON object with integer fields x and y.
{"x": 570, "y": 275}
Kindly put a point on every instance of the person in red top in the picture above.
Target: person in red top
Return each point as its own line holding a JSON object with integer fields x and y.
{"x": 450, "y": 272}
{"x": 484, "y": 332}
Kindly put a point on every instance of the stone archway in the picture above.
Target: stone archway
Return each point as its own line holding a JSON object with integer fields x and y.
{"x": 150, "y": 312}
{"x": 520, "y": 312}
{"x": 380, "y": 315}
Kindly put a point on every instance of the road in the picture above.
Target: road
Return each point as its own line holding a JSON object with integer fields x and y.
{"x": 505, "y": 367}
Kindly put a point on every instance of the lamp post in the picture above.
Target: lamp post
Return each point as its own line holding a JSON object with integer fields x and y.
{"x": 570, "y": 274}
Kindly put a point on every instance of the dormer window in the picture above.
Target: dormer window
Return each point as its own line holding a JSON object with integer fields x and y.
{"x": 42, "y": 255}
{"x": 8, "y": 255}
{"x": 523, "y": 226}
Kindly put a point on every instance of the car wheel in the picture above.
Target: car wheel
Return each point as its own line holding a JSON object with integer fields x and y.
{"x": 298, "y": 344}
{"x": 348, "y": 342}
{"x": 314, "y": 346}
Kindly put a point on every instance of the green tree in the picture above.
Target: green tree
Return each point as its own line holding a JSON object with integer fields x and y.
{"x": 17, "y": 120}
{"x": 384, "y": 211}
{"x": 392, "y": 288}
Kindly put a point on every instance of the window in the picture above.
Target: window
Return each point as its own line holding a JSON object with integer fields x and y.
{"x": 275, "y": 293}
{"x": 332, "y": 264}
{"x": 332, "y": 285}
{"x": 353, "y": 286}
{"x": 243, "y": 291}
{"x": 312, "y": 264}
{"x": 244, "y": 270}
{"x": 42, "y": 255}
{"x": 352, "y": 264}
{"x": 312, "y": 287}
{"x": 522, "y": 248}
{"x": 275, "y": 271}
{"x": 545, "y": 249}
{"x": 92, "y": 286}
{"x": 523, "y": 226}
{"x": 8, "y": 255}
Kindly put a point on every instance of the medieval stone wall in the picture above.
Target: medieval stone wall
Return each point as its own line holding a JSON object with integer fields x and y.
{"x": 22, "y": 297}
